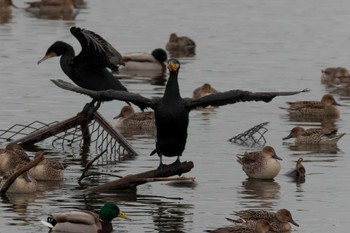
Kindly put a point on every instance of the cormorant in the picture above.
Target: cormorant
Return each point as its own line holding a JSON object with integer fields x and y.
{"x": 172, "y": 111}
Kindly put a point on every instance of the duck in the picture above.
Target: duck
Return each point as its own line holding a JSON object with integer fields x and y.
{"x": 172, "y": 111}
{"x": 327, "y": 107}
{"x": 279, "y": 221}
{"x": 259, "y": 226}
{"x": 11, "y": 156}
{"x": 89, "y": 68}
{"x": 298, "y": 173}
{"x": 53, "y": 9}
{"x": 260, "y": 164}
{"x": 128, "y": 119}
{"x": 205, "y": 89}
{"x": 331, "y": 74}
{"x": 84, "y": 220}
{"x": 47, "y": 169}
{"x": 180, "y": 46}
{"x": 143, "y": 61}
{"x": 316, "y": 136}
{"x": 23, "y": 183}
{"x": 5, "y": 10}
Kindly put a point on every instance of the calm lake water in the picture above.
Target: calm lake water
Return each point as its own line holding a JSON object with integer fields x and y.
{"x": 245, "y": 44}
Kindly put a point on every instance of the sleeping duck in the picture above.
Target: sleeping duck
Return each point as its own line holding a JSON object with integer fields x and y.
{"x": 180, "y": 46}
{"x": 85, "y": 221}
{"x": 142, "y": 61}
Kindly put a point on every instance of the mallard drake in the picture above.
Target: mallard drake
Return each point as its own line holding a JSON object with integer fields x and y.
{"x": 128, "y": 119}
{"x": 47, "y": 169}
{"x": 85, "y": 221}
{"x": 180, "y": 46}
{"x": 11, "y": 156}
{"x": 23, "y": 183}
{"x": 260, "y": 164}
{"x": 327, "y": 107}
{"x": 142, "y": 61}
{"x": 321, "y": 136}
{"x": 279, "y": 221}
{"x": 172, "y": 111}
{"x": 259, "y": 226}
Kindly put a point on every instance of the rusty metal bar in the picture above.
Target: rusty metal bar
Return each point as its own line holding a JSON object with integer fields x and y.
{"x": 113, "y": 133}
{"x": 52, "y": 130}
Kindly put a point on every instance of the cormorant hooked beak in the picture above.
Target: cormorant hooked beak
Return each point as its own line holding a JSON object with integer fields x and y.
{"x": 47, "y": 56}
{"x": 173, "y": 65}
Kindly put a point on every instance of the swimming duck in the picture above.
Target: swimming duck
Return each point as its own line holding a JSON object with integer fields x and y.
{"x": 11, "y": 156}
{"x": 260, "y": 164}
{"x": 327, "y": 107}
{"x": 259, "y": 226}
{"x": 172, "y": 111}
{"x": 180, "y": 46}
{"x": 205, "y": 89}
{"x": 128, "y": 119}
{"x": 46, "y": 169}
{"x": 298, "y": 172}
{"x": 23, "y": 183}
{"x": 330, "y": 75}
{"x": 279, "y": 221}
{"x": 53, "y": 9}
{"x": 142, "y": 61}
{"x": 324, "y": 136}
{"x": 85, "y": 221}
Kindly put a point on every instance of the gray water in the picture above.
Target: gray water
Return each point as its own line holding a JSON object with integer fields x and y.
{"x": 252, "y": 45}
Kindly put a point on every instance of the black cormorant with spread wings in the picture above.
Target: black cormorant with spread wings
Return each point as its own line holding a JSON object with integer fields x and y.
{"x": 172, "y": 111}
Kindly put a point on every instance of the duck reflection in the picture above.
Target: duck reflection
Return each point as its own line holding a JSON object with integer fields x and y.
{"x": 170, "y": 217}
{"x": 5, "y": 11}
{"x": 54, "y": 9}
{"x": 266, "y": 190}
{"x": 313, "y": 148}
{"x": 157, "y": 78}
{"x": 18, "y": 202}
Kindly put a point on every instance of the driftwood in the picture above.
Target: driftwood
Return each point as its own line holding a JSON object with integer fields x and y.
{"x": 131, "y": 181}
{"x": 23, "y": 169}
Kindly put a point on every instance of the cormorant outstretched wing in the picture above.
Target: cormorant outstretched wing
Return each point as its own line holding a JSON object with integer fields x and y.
{"x": 107, "y": 95}
{"x": 234, "y": 96}
{"x": 96, "y": 50}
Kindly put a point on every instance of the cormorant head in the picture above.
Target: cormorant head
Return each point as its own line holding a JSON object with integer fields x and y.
{"x": 55, "y": 50}
{"x": 173, "y": 65}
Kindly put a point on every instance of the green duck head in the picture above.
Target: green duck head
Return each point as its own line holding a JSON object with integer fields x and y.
{"x": 109, "y": 211}
{"x": 160, "y": 55}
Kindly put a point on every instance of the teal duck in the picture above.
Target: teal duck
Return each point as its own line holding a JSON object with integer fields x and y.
{"x": 260, "y": 164}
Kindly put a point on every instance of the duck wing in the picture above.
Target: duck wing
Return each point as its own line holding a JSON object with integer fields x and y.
{"x": 77, "y": 217}
{"x": 107, "y": 95}
{"x": 234, "y": 96}
{"x": 96, "y": 51}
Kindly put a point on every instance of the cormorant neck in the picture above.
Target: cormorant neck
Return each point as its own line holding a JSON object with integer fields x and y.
{"x": 66, "y": 60}
{"x": 172, "y": 87}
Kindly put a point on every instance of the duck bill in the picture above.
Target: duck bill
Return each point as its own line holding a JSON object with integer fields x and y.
{"x": 276, "y": 157}
{"x": 294, "y": 223}
{"x": 47, "y": 56}
{"x": 26, "y": 178}
{"x": 288, "y": 137}
{"x": 122, "y": 215}
{"x": 116, "y": 117}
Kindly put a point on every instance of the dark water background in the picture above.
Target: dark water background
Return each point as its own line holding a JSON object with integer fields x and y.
{"x": 252, "y": 45}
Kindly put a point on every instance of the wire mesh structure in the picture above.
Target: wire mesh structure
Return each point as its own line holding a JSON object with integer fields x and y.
{"x": 251, "y": 137}
{"x": 84, "y": 129}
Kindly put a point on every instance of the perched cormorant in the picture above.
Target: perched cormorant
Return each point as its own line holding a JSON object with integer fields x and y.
{"x": 172, "y": 111}
{"x": 89, "y": 68}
